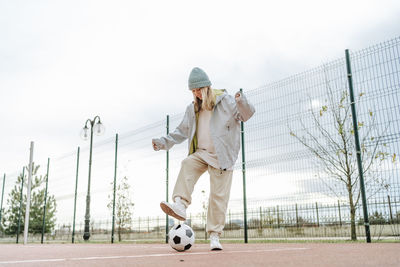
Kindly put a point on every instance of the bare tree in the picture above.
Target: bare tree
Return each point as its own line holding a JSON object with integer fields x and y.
{"x": 331, "y": 140}
{"x": 123, "y": 206}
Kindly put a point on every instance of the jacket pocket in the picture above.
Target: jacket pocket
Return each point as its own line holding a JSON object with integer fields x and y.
{"x": 228, "y": 126}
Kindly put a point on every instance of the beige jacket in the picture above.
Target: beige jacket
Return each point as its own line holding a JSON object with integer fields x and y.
{"x": 224, "y": 127}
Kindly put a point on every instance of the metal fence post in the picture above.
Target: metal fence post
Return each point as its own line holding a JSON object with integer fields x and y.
{"x": 358, "y": 149}
{"x": 45, "y": 202}
{"x": 277, "y": 216}
{"x": 316, "y": 207}
{"x": 230, "y": 220}
{"x": 2, "y": 195}
{"x": 340, "y": 215}
{"x": 166, "y": 183}
{"x": 205, "y": 225}
{"x": 20, "y": 204}
{"x": 115, "y": 183}
{"x": 244, "y": 180}
{"x": 76, "y": 188}
{"x": 390, "y": 209}
{"x": 297, "y": 217}
{"x": 158, "y": 225}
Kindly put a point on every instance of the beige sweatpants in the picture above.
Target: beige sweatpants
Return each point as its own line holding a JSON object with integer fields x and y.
{"x": 220, "y": 186}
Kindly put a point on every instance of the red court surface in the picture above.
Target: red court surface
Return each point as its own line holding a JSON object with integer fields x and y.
{"x": 308, "y": 254}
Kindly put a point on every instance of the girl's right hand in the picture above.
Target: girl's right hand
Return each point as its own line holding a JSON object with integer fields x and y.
{"x": 155, "y": 147}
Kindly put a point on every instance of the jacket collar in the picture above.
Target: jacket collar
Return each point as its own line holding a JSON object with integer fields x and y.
{"x": 219, "y": 94}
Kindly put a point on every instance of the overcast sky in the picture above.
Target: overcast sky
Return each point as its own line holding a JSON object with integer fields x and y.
{"x": 62, "y": 62}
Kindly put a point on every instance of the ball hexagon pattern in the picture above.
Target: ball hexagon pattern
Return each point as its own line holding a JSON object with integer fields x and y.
{"x": 181, "y": 237}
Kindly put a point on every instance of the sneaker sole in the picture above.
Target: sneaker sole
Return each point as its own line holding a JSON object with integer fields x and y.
{"x": 171, "y": 212}
{"x": 215, "y": 249}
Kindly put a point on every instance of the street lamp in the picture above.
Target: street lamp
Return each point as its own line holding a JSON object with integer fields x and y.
{"x": 98, "y": 129}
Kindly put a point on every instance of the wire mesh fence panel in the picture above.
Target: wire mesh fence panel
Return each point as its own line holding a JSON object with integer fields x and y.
{"x": 62, "y": 179}
{"x": 281, "y": 169}
{"x": 377, "y": 83}
{"x": 11, "y": 188}
{"x": 145, "y": 172}
{"x": 38, "y": 194}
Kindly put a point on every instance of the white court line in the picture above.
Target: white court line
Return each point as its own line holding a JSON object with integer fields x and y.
{"x": 88, "y": 246}
{"x": 151, "y": 255}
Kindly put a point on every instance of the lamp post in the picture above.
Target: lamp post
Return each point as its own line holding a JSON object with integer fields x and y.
{"x": 98, "y": 128}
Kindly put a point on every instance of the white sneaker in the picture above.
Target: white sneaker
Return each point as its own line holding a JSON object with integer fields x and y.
{"x": 176, "y": 210}
{"x": 214, "y": 242}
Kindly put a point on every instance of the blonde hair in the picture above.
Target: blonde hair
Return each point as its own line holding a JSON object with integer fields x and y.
{"x": 208, "y": 101}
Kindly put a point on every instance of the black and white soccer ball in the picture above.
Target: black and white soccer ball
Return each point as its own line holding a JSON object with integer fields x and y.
{"x": 181, "y": 237}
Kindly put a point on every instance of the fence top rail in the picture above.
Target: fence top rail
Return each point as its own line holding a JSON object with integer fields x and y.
{"x": 377, "y": 47}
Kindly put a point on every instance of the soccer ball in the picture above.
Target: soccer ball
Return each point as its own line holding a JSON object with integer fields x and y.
{"x": 181, "y": 237}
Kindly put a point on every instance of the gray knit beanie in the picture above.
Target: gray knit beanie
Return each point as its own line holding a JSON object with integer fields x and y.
{"x": 198, "y": 78}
